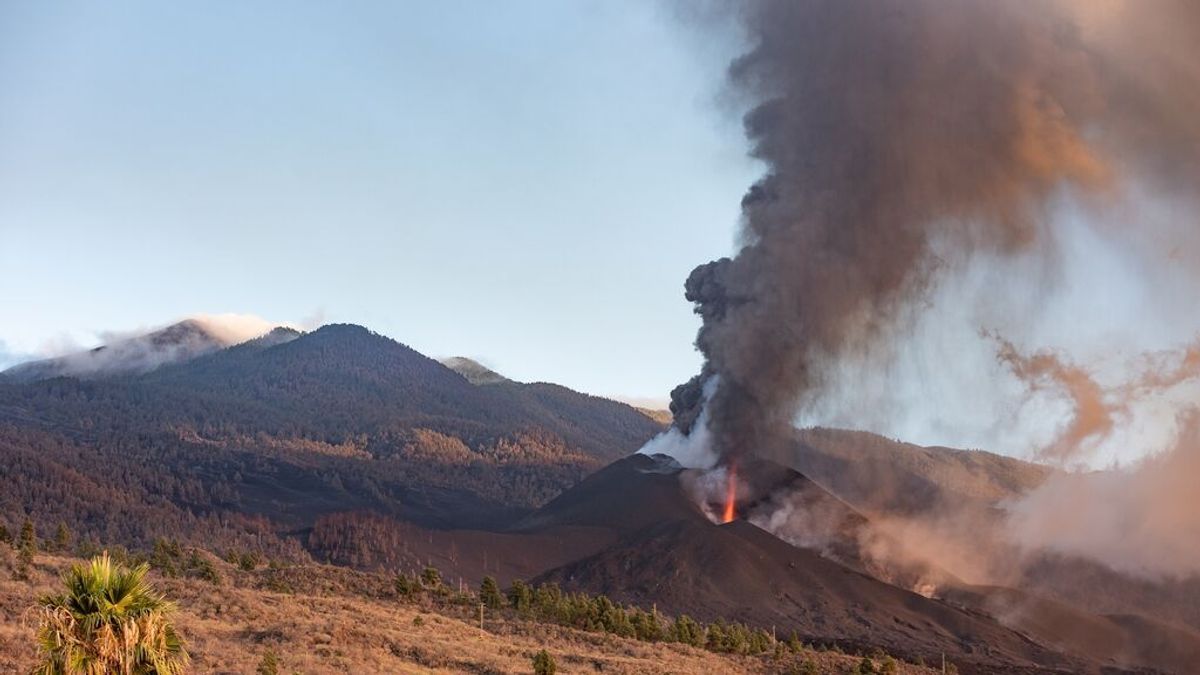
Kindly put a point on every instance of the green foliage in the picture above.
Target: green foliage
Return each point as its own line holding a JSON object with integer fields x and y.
{"x": 109, "y": 619}
{"x": 865, "y": 667}
{"x": 5, "y": 535}
{"x": 405, "y": 585}
{"x": 27, "y": 543}
{"x": 431, "y": 577}
{"x": 520, "y": 597}
{"x": 201, "y": 567}
{"x": 646, "y": 625}
{"x": 888, "y": 666}
{"x": 165, "y": 556}
{"x": 544, "y": 664}
{"x": 685, "y": 629}
{"x": 269, "y": 665}
{"x": 418, "y": 621}
{"x": 62, "y": 538}
{"x": 794, "y": 643}
{"x": 489, "y": 594}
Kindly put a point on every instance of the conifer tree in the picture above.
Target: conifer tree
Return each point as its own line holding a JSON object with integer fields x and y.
{"x": 489, "y": 594}
{"x": 27, "y": 543}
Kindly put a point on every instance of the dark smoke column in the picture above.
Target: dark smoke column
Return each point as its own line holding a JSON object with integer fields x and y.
{"x": 898, "y": 134}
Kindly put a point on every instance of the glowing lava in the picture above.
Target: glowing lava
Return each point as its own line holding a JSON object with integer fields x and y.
{"x": 730, "y": 495}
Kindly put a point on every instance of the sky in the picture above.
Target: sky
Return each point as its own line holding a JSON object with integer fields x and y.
{"x": 526, "y": 183}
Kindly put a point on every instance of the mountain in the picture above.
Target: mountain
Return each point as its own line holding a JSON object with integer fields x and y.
{"x": 288, "y": 427}
{"x": 143, "y": 353}
{"x": 475, "y": 372}
{"x": 668, "y": 553}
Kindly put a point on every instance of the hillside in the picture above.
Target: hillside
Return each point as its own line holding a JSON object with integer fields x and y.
{"x": 326, "y": 619}
{"x": 280, "y": 430}
{"x": 880, "y": 475}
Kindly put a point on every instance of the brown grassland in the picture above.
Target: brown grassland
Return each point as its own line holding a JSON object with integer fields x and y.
{"x": 324, "y": 619}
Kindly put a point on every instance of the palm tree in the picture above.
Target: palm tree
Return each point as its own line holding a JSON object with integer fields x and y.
{"x": 109, "y": 620}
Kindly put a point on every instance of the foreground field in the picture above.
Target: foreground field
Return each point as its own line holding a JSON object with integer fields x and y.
{"x": 321, "y": 619}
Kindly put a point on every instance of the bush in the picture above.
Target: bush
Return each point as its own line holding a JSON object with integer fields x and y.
{"x": 543, "y": 663}
{"x": 405, "y": 586}
{"x": 888, "y": 666}
{"x": 866, "y": 667}
{"x": 269, "y": 665}
{"x": 431, "y": 577}
{"x": 202, "y": 568}
{"x": 110, "y": 619}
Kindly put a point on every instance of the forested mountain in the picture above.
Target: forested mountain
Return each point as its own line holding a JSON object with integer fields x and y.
{"x": 282, "y": 429}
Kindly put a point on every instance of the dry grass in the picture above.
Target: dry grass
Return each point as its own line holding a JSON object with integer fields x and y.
{"x": 346, "y": 622}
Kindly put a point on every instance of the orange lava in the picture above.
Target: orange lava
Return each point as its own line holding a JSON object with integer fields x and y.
{"x": 730, "y": 495}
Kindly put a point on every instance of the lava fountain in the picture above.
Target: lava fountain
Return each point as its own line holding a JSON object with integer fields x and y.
{"x": 730, "y": 511}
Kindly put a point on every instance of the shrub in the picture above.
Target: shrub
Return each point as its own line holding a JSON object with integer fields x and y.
{"x": 888, "y": 666}
{"x": 543, "y": 663}
{"x": 202, "y": 568}
{"x": 405, "y": 586}
{"x": 431, "y": 577}
{"x": 269, "y": 665}
{"x": 866, "y": 667}
{"x": 109, "y": 620}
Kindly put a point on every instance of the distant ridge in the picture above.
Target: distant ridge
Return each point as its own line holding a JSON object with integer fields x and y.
{"x": 138, "y": 354}
{"x": 176, "y": 343}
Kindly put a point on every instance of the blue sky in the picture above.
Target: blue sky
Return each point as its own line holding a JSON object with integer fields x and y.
{"x": 525, "y": 182}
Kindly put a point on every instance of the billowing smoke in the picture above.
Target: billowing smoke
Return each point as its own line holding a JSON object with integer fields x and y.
{"x": 903, "y": 138}
{"x": 1142, "y": 520}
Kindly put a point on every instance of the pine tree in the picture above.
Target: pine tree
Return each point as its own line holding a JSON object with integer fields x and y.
{"x": 27, "y": 543}
{"x": 519, "y": 596}
{"x": 543, "y": 663}
{"x": 489, "y": 594}
{"x": 62, "y": 538}
{"x": 685, "y": 630}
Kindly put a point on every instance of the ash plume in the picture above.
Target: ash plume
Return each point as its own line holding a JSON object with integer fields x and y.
{"x": 904, "y": 136}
